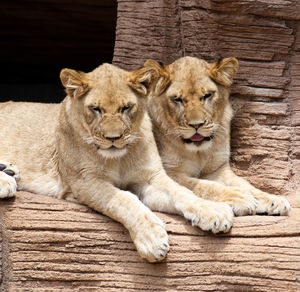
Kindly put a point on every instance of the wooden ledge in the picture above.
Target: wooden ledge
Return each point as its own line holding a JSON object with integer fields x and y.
{"x": 55, "y": 245}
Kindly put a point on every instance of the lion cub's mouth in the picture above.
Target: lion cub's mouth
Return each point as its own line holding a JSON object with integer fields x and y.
{"x": 112, "y": 147}
{"x": 197, "y": 139}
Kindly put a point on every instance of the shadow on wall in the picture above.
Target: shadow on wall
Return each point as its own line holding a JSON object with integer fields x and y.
{"x": 39, "y": 38}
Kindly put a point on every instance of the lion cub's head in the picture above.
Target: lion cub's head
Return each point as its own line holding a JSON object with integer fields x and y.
{"x": 189, "y": 102}
{"x": 107, "y": 105}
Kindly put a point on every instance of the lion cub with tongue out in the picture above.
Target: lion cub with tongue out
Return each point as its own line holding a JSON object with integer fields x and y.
{"x": 97, "y": 146}
{"x": 191, "y": 116}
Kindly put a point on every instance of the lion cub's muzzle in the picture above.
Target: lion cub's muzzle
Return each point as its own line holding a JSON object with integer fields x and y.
{"x": 114, "y": 134}
{"x": 197, "y": 133}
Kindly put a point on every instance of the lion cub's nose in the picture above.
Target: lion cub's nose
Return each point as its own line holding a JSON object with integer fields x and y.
{"x": 112, "y": 139}
{"x": 196, "y": 126}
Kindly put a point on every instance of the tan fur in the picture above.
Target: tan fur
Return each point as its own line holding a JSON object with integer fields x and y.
{"x": 97, "y": 146}
{"x": 202, "y": 166}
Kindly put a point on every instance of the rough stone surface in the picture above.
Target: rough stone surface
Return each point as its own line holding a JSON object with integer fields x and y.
{"x": 265, "y": 37}
{"x": 54, "y": 245}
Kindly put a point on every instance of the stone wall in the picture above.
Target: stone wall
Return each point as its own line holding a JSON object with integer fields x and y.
{"x": 265, "y": 37}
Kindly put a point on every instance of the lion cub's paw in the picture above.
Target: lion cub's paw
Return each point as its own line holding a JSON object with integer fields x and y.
{"x": 241, "y": 203}
{"x": 8, "y": 185}
{"x": 151, "y": 238}
{"x": 8, "y": 175}
{"x": 272, "y": 205}
{"x": 210, "y": 216}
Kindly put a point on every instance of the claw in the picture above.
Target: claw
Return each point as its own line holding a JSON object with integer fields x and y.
{"x": 166, "y": 245}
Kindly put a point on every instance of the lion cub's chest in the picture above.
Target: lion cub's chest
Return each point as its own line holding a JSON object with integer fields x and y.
{"x": 116, "y": 173}
{"x": 196, "y": 165}
{"x": 113, "y": 175}
{"x": 190, "y": 166}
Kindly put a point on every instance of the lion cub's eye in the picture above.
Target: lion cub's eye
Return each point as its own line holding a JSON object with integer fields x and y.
{"x": 95, "y": 109}
{"x": 208, "y": 95}
{"x": 176, "y": 99}
{"x": 127, "y": 107}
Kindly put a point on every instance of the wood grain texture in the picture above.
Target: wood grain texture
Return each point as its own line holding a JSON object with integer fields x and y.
{"x": 55, "y": 245}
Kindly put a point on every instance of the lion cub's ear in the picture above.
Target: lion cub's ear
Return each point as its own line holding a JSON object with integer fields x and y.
{"x": 224, "y": 70}
{"x": 142, "y": 80}
{"x": 163, "y": 76}
{"x": 75, "y": 82}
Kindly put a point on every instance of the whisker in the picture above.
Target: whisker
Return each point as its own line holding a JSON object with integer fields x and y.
{"x": 88, "y": 140}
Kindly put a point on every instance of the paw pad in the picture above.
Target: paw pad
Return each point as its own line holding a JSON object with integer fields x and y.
{"x": 8, "y": 176}
{"x": 9, "y": 172}
{"x": 9, "y": 169}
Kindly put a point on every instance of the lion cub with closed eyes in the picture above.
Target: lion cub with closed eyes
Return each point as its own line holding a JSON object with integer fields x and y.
{"x": 191, "y": 115}
{"x": 97, "y": 146}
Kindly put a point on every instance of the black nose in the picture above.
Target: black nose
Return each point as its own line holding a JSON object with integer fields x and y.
{"x": 196, "y": 126}
{"x": 112, "y": 139}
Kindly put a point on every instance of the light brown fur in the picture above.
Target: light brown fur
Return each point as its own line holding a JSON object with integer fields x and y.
{"x": 180, "y": 107}
{"x": 97, "y": 146}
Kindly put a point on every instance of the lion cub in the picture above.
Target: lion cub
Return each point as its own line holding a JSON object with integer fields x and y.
{"x": 191, "y": 114}
{"x": 97, "y": 146}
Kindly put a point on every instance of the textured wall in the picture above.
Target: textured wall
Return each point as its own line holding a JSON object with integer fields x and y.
{"x": 265, "y": 37}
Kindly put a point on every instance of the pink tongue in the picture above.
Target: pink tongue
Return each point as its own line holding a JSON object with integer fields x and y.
{"x": 197, "y": 138}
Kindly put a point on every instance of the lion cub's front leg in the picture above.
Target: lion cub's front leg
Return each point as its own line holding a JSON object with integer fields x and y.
{"x": 164, "y": 194}
{"x": 146, "y": 229}
{"x": 8, "y": 176}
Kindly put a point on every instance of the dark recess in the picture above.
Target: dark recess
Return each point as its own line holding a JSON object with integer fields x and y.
{"x": 39, "y": 38}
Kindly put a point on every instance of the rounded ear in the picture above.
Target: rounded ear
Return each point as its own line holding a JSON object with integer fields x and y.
{"x": 224, "y": 70}
{"x": 75, "y": 82}
{"x": 142, "y": 80}
{"x": 163, "y": 76}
